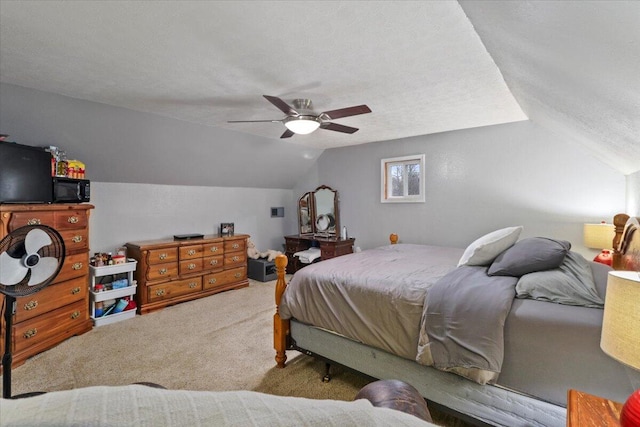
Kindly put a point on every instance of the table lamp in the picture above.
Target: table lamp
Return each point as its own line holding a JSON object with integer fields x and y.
{"x": 621, "y": 332}
{"x": 600, "y": 236}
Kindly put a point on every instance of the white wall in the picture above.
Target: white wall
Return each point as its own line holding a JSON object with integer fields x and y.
{"x": 133, "y": 212}
{"x": 633, "y": 194}
{"x": 477, "y": 180}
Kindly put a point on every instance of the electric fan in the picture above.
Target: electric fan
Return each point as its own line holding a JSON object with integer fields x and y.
{"x": 30, "y": 258}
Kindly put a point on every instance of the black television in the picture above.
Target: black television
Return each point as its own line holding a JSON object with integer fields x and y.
{"x": 25, "y": 174}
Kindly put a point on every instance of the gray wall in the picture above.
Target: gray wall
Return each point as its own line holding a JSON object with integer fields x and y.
{"x": 130, "y": 212}
{"x": 120, "y": 145}
{"x": 477, "y": 180}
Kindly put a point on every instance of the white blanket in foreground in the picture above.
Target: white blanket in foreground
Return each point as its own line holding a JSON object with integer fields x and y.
{"x": 137, "y": 405}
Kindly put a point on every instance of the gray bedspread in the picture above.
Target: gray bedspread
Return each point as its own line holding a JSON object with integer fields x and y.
{"x": 375, "y": 297}
{"x": 462, "y": 328}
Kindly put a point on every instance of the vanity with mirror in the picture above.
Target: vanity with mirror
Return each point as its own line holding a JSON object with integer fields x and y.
{"x": 318, "y": 230}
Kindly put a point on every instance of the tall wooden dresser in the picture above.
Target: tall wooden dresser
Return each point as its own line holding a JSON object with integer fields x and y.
{"x": 173, "y": 271}
{"x": 61, "y": 309}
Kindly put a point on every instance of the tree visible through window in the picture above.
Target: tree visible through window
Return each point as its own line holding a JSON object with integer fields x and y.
{"x": 403, "y": 179}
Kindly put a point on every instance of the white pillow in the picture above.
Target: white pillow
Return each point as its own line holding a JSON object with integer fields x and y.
{"x": 485, "y": 249}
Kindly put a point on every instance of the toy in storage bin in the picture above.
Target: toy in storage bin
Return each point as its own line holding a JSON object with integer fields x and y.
{"x": 112, "y": 302}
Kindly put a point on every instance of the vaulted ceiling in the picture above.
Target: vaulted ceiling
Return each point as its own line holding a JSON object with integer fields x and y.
{"x": 422, "y": 67}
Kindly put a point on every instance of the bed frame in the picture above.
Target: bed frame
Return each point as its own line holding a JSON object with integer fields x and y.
{"x": 490, "y": 404}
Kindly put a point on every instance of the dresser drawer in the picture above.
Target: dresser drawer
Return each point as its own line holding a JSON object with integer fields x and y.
{"x": 40, "y": 328}
{"x": 170, "y": 290}
{"x": 50, "y": 298}
{"x": 235, "y": 259}
{"x": 190, "y": 252}
{"x": 74, "y": 266}
{"x": 215, "y": 280}
{"x": 20, "y": 219}
{"x": 191, "y": 266}
{"x": 65, "y": 220}
{"x": 162, "y": 271}
{"x": 162, "y": 256}
{"x": 234, "y": 245}
{"x": 213, "y": 262}
{"x": 214, "y": 248}
{"x": 76, "y": 240}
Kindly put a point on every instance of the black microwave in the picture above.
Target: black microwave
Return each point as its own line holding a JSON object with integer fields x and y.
{"x": 71, "y": 190}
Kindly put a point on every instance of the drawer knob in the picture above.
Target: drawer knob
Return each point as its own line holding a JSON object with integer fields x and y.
{"x": 76, "y": 239}
{"x": 212, "y": 281}
{"x": 214, "y": 249}
{"x": 75, "y": 314}
{"x": 192, "y": 285}
{"x": 73, "y": 219}
{"x": 191, "y": 266}
{"x": 191, "y": 252}
{"x": 237, "y": 275}
{"x": 30, "y": 333}
{"x": 236, "y": 258}
{"x": 236, "y": 246}
{"x": 214, "y": 262}
{"x": 162, "y": 271}
{"x": 76, "y": 266}
{"x": 160, "y": 292}
{"x": 34, "y": 221}
{"x": 30, "y": 305}
{"x": 75, "y": 290}
{"x": 162, "y": 256}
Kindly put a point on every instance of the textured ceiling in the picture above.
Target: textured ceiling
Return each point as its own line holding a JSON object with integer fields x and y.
{"x": 422, "y": 67}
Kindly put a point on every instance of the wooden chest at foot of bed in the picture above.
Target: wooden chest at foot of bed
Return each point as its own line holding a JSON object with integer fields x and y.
{"x": 173, "y": 271}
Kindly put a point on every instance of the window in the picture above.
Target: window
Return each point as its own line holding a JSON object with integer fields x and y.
{"x": 403, "y": 179}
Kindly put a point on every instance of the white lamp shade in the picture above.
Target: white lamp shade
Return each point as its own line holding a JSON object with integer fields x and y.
{"x": 621, "y": 322}
{"x": 302, "y": 124}
{"x": 599, "y": 236}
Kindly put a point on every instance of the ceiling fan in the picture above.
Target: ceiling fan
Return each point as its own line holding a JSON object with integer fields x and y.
{"x": 301, "y": 119}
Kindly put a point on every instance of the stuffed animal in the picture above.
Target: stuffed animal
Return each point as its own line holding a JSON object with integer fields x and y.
{"x": 252, "y": 252}
{"x": 270, "y": 254}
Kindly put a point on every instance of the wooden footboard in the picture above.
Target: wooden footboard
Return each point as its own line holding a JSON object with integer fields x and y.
{"x": 280, "y": 326}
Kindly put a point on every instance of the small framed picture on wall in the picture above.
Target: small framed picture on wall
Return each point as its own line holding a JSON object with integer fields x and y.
{"x": 226, "y": 229}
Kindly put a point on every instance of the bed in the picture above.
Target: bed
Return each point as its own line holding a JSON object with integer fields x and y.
{"x": 381, "y": 403}
{"x": 380, "y": 323}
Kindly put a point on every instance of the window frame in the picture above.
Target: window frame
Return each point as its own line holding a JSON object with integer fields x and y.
{"x": 384, "y": 179}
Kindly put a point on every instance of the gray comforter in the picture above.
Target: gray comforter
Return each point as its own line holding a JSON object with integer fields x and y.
{"x": 375, "y": 297}
{"x": 462, "y": 328}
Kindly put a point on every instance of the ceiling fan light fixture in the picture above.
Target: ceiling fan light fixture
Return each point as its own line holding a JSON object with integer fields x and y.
{"x": 302, "y": 125}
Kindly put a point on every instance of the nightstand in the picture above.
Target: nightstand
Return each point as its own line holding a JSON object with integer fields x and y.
{"x": 587, "y": 410}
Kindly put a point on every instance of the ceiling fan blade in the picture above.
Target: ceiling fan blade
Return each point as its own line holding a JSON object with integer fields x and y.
{"x": 346, "y": 112}
{"x": 254, "y": 121}
{"x": 43, "y": 270}
{"x": 12, "y": 271}
{"x": 282, "y": 106}
{"x": 287, "y": 134}
{"x": 36, "y": 239}
{"x": 338, "y": 128}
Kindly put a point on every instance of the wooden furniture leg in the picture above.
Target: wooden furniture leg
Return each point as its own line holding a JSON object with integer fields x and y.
{"x": 280, "y": 326}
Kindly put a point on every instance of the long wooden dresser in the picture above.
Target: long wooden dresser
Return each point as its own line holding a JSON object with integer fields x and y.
{"x": 174, "y": 271}
{"x": 61, "y": 309}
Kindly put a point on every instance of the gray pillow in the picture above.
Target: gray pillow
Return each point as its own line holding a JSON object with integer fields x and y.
{"x": 529, "y": 255}
{"x": 571, "y": 284}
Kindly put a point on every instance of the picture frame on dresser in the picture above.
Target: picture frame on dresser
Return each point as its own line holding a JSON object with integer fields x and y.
{"x": 226, "y": 229}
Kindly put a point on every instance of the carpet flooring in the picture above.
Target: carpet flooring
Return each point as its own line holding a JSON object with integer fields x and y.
{"x": 222, "y": 342}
